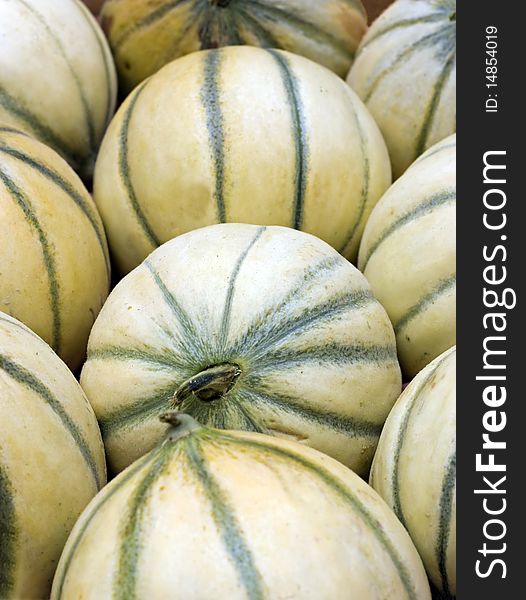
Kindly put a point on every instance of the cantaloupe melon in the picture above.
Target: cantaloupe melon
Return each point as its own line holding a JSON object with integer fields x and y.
{"x": 144, "y": 36}
{"x": 408, "y": 254}
{"x": 259, "y": 328}
{"x": 241, "y": 135}
{"x": 215, "y": 514}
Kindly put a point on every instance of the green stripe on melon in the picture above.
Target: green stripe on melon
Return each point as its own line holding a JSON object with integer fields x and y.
{"x": 8, "y": 529}
{"x": 227, "y": 310}
{"x": 237, "y": 547}
{"x": 299, "y": 135}
{"x": 418, "y": 444}
{"x": 444, "y": 286}
{"x": 336, "y": 537}
{"x": 259, "y": 328}
{"x": 124, "y": 170}
{"x": 146, "y": 21}
{"x": 23, "y": 202}
{"x": 214, "y": 121}
{"x": 124, "y": 587}
{"x": 444, "y": 547}
{"x": 26, "y": 379}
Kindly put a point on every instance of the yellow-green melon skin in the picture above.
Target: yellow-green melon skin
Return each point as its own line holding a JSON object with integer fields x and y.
{"x": 144, "y": 36}
{"x": 408, "y": 254}
{"x": 57, "y": 77}
{"x": 242, "y": 135}
{"x": 405, "y": 72}
{"x": 222, "y": 514}
{"x": 414, "y": 468}
{"x": 54, "y": 263}
{"x": 51, "y": 460}
{"x": 315, "y": 350}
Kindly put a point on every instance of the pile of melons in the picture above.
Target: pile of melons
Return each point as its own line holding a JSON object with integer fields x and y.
{"x": 210, "y": 300}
